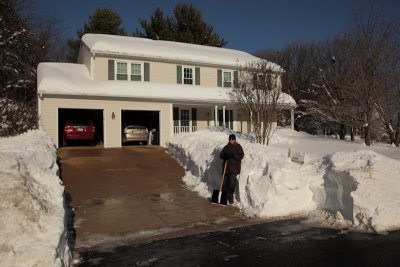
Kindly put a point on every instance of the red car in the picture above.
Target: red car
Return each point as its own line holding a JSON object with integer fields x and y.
{"x": 78, "y": 130}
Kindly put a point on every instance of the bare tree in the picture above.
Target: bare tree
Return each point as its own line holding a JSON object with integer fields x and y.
{"x": 257, "y": 92}
{"x": 374, "y": 43}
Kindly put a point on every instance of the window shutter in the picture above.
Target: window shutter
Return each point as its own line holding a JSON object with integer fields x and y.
{"x": 179, "y": 74}
{"x": 235, "y": 79}
{"x": 197, "y": 73}
{"x": 176, "y": 116}
{"x": 194, "y": 117}
{"x": 219, "y": 78}
{"x": 146, "y": 72}
{"x": 111, "y": 69}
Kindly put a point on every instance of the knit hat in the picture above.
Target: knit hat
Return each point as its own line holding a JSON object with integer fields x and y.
{"x": 232, "y": 137}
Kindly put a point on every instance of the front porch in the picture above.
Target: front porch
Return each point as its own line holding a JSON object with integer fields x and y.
{"x": 193, "y": 118}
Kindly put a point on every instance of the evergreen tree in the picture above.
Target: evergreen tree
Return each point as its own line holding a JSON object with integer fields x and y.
{"x": 20, "y": 52}
{"x": 186, "y": 26}
{"x": 104, "y": 21}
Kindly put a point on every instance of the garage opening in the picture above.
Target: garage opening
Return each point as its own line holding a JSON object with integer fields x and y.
{"x": 148, "y": 119}
{"x": 77, "y": 118}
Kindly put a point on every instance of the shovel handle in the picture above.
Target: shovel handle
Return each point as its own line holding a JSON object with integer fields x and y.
{"x": 223, "y": 176}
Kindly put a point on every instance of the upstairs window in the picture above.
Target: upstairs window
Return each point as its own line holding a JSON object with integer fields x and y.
{"x": 136, "y": 72}
{"x": 122, "y": 71}
{"x": 187, "y": 75}
{"x": 228, "y": 79}
{"x": 128, "y": 70}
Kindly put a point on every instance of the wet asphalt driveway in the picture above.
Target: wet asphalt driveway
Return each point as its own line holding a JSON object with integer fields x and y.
{"x": 130, "y": 209}
{"x": 133, "y": 195}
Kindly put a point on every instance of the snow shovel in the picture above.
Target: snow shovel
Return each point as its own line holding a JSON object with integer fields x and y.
{"x": 219, "y": 196}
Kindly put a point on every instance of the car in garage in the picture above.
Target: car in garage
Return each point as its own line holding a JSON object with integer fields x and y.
{"x": 135, "y": 133}
{"x": 78, "y": 130}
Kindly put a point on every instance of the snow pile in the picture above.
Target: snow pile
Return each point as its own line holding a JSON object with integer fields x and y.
{"x": 32, "y": 229}
{"x": 356, "y": 188}
{"x": 364, "y": 187}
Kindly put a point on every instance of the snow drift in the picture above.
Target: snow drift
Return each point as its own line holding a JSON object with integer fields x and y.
{"x": 32, "y": 222}
{"x": 355, "y": 187}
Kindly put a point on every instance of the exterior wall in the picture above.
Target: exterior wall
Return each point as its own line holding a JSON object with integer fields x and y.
{"x": 160, "y": 72}
{"x": 100, "y": 69}
{"x": 112, "y": 127}
{"x": 208, "y": 76}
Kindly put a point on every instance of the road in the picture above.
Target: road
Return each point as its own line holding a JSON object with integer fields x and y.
{"x": 279, "y": 243}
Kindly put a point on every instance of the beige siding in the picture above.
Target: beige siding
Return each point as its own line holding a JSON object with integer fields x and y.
{"x": 162, "y": 72}
{"x": 208, "y": 76}
{"x": 100, "y": 69}
{"x": 159, "y": 72}
{"x": 203, "y": 118}
{"x": 112, "y": 127}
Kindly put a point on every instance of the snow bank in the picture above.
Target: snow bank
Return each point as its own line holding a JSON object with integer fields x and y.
{"x": 32, "y": 222}
{"x": 364, "y": 187}
{"x": 355, "y": 188}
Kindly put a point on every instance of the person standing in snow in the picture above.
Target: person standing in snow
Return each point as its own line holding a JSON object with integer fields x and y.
{"x": 232, "y": 154}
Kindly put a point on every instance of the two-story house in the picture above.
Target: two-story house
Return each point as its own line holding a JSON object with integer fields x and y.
{"x": 169, "y": 86}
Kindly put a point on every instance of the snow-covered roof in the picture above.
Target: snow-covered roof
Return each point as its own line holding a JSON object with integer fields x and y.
{"x": 168, "y": 50}
{"x": 74, "y": 79}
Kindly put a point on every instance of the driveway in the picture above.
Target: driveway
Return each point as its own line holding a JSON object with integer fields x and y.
{"x": 134, "y": 195}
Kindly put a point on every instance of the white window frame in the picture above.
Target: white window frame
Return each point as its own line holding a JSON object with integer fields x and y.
{"x": 223, "y": 78}
{"x": 129, "y": 70}
{"x": 117, "y": 73}
{"x": 193, "y": 75}
{"x": 141, "y": 70}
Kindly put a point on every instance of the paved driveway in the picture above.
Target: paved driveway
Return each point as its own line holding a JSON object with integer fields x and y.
{"x": 133, "y": 195}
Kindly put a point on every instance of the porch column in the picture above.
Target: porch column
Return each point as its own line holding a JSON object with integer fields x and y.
{"x": 216, "y": 116}
{"x": 223, "y": 117}
{"x": 292, "y": 118}
{"x": 251, "y": 122}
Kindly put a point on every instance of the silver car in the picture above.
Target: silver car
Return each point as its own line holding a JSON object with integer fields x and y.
{"x": 135, "y": 133}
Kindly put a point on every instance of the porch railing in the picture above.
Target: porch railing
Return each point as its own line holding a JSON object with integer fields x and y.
{"x": 184, "y": 129}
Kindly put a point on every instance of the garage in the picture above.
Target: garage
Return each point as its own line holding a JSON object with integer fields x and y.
{"x": 93, "y": 115}
{"x": 147, "y": 118}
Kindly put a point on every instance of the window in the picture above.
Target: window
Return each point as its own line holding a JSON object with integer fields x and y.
{"x": 228, "y": 123}
{"x": 122, "y": 71}
{"x": 129, "y": 71}
{"x": 184, "y": 120}
{"x": 187, "y": 75}
{"x": 228, "y": 78}
{"x": 136, "y": 72}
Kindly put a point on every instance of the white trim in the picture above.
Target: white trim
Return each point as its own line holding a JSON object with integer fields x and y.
{"x": 171, "y": 113}
{"x": 223, "y": 117}
{"x": 129, "y": 69}
{"x": 223, "y": 78}
{"x": 104, "y": 128}
{"x": 216, "y": 116}
{"x": 193, "y": 74}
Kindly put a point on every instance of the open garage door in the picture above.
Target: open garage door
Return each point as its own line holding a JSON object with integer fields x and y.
{"x": 94, "y": 115}
{"x": 149, "y": 119}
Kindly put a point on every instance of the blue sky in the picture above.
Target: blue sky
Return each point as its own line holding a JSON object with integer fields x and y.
{"x": 250, "y": 25}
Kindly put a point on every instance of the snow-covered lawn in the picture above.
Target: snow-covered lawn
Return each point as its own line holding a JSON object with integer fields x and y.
{"x": 340, "y": 184}
{"x": 32, "y": 221}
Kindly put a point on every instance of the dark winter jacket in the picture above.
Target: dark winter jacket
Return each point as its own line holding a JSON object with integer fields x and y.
{"x": 233, "y": 154}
